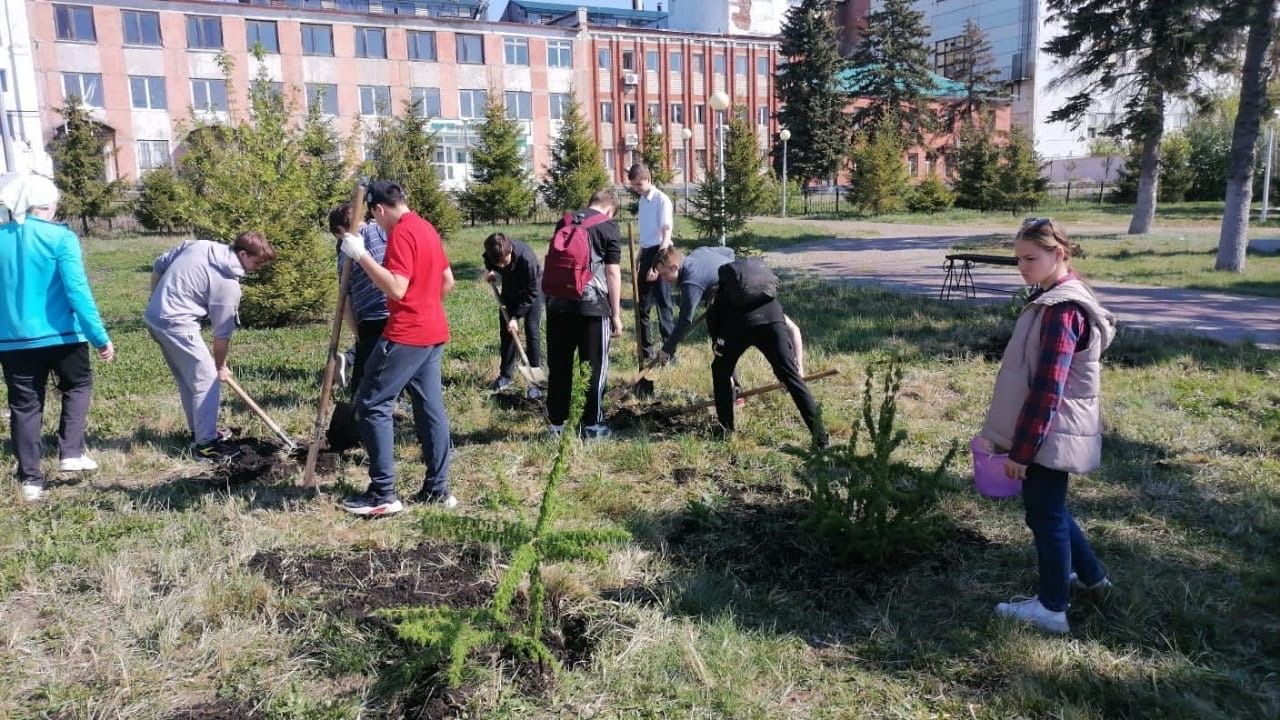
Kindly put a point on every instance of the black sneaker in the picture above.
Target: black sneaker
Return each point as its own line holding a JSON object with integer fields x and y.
{"x": 215, "y": 451}
{"x": 446, "y": 501}
{"x": 499, "y": 384}
{"x": 367, "y": 505}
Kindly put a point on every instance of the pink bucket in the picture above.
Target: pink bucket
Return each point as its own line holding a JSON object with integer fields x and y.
{"x": 988, "y": 472}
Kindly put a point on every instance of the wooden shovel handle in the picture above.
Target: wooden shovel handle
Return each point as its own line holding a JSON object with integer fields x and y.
{"x": 515, "y": 337}
{"x": 257, "y": 410}
{"x": 749, "y": 393}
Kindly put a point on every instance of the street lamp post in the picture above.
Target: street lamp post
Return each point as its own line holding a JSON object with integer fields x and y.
{"x": 686, "y": 135}
{"x": 720, "y": 104}
{"x": 785, "y": 135}
{"x": 1266, "y": 175}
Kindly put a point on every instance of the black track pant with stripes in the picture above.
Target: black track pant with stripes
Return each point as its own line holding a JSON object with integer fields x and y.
{"x": 573, "y": 339}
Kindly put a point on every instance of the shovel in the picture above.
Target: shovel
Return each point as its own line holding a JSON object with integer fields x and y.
{"x": 535, "y": 376}
{"x": 746, "y": 394}
{"x": 643, "y": 386}
{"x": 289, "y": 444}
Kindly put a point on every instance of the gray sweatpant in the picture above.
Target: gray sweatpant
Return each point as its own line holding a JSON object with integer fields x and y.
{"x": 192, "y": 366}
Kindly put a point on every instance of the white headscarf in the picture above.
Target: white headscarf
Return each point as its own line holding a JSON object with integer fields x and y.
{"x": 22, "y": 192}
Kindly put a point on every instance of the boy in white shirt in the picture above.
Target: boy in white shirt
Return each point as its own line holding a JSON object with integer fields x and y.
{"x": 657, "y": 220}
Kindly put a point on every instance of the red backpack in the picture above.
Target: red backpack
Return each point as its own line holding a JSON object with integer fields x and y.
{"x": 568, "y": 267}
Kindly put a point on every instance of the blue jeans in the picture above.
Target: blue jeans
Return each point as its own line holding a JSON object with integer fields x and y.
{"x": 392, "y": 368}
{"x": 1060, "y": 545}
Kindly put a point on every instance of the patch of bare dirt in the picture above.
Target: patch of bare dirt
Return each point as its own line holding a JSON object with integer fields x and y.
{"x": 266, "y": 461}
{"x": 218, "y": 710}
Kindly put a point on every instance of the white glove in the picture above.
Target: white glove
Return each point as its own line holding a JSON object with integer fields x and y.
{"x": 353, "y": 247}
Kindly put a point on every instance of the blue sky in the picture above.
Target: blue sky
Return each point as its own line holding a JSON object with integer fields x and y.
{"x": 497, "y": 6}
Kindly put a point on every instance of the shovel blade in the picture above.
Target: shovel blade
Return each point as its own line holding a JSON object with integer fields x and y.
{"x": 643, "y": 388}
{"x": 535, "y": 376}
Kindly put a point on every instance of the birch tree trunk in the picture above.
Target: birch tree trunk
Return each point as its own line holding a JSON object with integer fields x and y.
{"x": 1233, "y": 241}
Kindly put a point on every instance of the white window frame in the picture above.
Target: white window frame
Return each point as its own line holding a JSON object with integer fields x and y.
{"x": 87, "y": 87}
{"x": 523, "y": 104}
{"x": 560, "y": 53}
{"x": 207, "y": 86}
{"x": 515, "y": 51}
{"x": 375, "y": 100}
{"x": 147, "y": 153}
{"x": 149, "y": 83}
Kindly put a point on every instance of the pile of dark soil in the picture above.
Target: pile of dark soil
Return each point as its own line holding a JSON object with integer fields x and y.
{"x": 266, "y": 461}
{"x": 353, "y": 584}
{"x": 653, "y": 417}
{"x": 517, "y": 402}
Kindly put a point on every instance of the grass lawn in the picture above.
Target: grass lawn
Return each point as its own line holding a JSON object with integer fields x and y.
{"x": 152, "y": 590}
{"x": 1166, "y": 258}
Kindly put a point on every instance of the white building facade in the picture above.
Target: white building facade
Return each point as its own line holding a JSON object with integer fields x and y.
{"x": 20, "y": 130}
{"x": 727, "y": 17}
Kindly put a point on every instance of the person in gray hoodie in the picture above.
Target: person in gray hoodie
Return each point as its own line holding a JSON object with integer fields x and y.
{"x": 197, "y": 280}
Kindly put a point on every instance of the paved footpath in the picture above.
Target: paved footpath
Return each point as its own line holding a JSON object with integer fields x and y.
{"x": 910, "y": 258}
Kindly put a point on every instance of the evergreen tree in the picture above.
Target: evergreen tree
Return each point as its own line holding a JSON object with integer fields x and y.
{"x": 810, "y": 92}
{"x": 653, "y": 153}
{"x": 1125, "y": 189}
{"x": 80, "y": 168}
{"x": 1021, "y": 187}
{"x": 500, "y": 187}
{"x": 328, "y": 158}
{"x": 1209, "y": 137}
{"x": 254, "y": 174}
{"x": 931, "y": 195}
{"x": 745, "y": 191}
{"x": 893, "y": 71}
{"x": 880, "y": 181}
{"x": 1175, "y": 168}
{"x": 975, "y": 163}
{"x": 402, "y": 150}
{"x": 1147, "y": 52}
{"x": 576, "y": 170}
{"x": 160, "y": 201}
{"x": 977, "y": 71}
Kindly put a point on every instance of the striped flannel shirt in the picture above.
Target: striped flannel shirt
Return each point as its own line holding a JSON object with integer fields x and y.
{"x": 367, "y": 301}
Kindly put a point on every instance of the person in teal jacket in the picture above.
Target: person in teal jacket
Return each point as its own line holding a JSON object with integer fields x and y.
{"x": 47, "y": 321}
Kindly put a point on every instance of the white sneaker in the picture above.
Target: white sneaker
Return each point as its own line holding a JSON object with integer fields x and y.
{"x": 1031, "y": 612}
{"x": 32, "y": 492}
{"x": 596, "y": 432}
{"x": 555, "y": 431}
{"x": 1101, "y": 586}
{"x": 84, "y": 463}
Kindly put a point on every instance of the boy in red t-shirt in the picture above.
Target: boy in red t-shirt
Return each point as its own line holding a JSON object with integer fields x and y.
{"x": 415, "y": 275}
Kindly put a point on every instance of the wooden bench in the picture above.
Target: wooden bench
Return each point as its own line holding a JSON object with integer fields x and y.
{"x": 959, "y": 274}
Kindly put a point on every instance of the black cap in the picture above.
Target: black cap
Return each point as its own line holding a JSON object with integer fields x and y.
{"x": 384, "y": 192}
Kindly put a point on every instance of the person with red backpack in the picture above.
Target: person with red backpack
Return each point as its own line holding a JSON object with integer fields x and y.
{"x": 582, "y": 282}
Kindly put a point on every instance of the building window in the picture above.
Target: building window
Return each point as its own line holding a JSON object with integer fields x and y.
{"x": 762, "y": 66}
{"x": 629, "y": 113}
{"x": 604, "y": 59}
{"x": 209, "y": 95}
{"x": 677, "y": 162}
{"x": 606, "y": 112}
{"x": 560, "y": 54}
{"x": 375, "y": 100}
{"x": 700, "y": 158}
{"x": 651, "y": 60}
{"x": 950, "y": 56}
{"x": 913, "y": 165}
{"x": 317, "y": 40}
{"x": 519, "y": 105}
{"x": 740, "y": 65}
{"x": 153, "y": 154}
{"x": 262, "y": 32}
{"x": 653, "y": 113}
{"x": 422, "y": 46}
{"x": 515, "y": 51}
{"x": 397, "y": 7}
{"x": 628, "y": 60}
{"x": 607, "y": 158}
{"x": 426, "y": 101}
{"x": 677, "y": 113}
{"x": 324, "y": 96}
{"x": 471, "y": 103}
{"x": 147, "y": 92}
{"x": 675, "y": 61}
{"x": 697, "y": 63}
{"x": 371, "y": 42}
{"x": 204, "y": 32}
{"x": 762, "y": 116}
{"x": 699, "y": 114}
{"x": 559, "y": 105}
{"x": 74, "y": 22}
{"x": 87, "y": 87}
{"x": 470, "y": 49}
{"x": 140, "y": 28}
{"x": 717, "y": 62}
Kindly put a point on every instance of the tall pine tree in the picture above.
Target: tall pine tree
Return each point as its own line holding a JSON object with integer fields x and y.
{"x": 975, "y": 167}
{"x": 745, "y": 192}
{"x": 976, "y": 70}
{"x": 402, "y": 150}
{"x": 1148, "y": 53}
{"x": 1021, "y": 187}
{"x": 810, "y": 92}
{"x": 500, "y": 187}
{"x": 653, "y": 153}
{"x": 880, "y": 181}
{"x": 576, "y": 170}
{"x": 892, "y": 71}
{"x": 80, "y": 168}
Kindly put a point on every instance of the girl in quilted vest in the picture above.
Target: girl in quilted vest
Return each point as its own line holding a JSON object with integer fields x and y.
{"x": 1046, "y": 413}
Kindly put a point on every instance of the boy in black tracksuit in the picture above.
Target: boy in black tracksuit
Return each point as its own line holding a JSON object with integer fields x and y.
{"x": 584, "y": 327}
{"x": 764, "y": 327}
{"x": 517, "y": 266}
